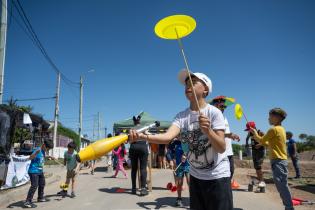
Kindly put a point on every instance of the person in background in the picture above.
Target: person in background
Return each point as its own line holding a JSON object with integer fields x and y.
{"x": 292, "y": 152}
{"x": 275, "y": 139}
{"x": 72, "y": 168}
{"x": 182, "y": 170}
{"x": 120, "y": 153}
{"x": 36, "y": 173}
{"x": 138, "y": 154}
{"x": 258, "y": 152}
{"x": 161, "y": 156}
{"x": 219, "y": 102}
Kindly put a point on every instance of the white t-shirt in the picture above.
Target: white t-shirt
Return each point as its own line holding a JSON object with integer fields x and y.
{"x": 228, "y": 141}
{"x": 205, "y": 162}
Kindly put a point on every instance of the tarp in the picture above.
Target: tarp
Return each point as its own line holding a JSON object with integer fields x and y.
{"x": 146, "y": 119}
{"x": 17, "y": 172}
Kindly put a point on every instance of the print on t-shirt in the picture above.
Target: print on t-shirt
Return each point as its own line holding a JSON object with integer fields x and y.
{"x": 200, "y": 154}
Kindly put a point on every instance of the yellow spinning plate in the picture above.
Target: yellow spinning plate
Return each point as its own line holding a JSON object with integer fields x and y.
{"x": 175, "y": 27}
{"x": 238, "y": 111}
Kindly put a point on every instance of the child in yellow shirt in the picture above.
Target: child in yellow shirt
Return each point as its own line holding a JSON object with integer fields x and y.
{"x": 275, "y": 139}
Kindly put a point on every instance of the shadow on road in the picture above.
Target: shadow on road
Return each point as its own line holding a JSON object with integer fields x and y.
{"x": 101, "y": 169}
{"x": 307, "y": 188}
{"x": 240, "y": 190}
{"x": 21, "y": 203}
{"x": 115, "y": 190}
{"x": 16, "y": 204}
{"x": 162, "y": 203}
{"x": 159, "y": 188}
{"x": 56, "y": 197}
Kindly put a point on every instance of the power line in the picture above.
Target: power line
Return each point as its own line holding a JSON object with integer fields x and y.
{"x": 33, "y": 99}
{"x": 33, "y": 36}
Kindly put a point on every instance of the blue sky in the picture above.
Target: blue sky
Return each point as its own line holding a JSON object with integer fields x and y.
{"x": 260, "y": 52}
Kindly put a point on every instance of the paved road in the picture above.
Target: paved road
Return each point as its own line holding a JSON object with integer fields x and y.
{"x": 99, "y": 191}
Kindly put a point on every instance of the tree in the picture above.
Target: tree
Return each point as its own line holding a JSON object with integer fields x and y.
{"x": 302, "y": 136}
{"x": 308, "y": 143}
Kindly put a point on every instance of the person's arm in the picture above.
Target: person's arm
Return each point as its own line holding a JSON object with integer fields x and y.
{"x": 77, "y": 168}
{"x": 163, "y": 138}
{"x": 247, "y": 139}
{"x": 64, "y": 160}
{"x": 294, "y": 150}
{"x": 216, "y": 137}
{"x": 263, "y": 140}
{"x": 117, "y": 152}
{"x": 233, "y": 136}
{"x": 33, "y": 155}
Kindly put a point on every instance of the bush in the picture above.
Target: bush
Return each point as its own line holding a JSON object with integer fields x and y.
{"x": 236, "y": 148}
{"x": 307, "y": 144}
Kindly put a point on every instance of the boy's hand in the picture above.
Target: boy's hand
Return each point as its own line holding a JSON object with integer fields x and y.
{"x": 204, "y": 123}
{"x": 235, "y": 137}
{"x": 184, "y": 158}
{"x": 254, "y": 132}
{"x": 134, "y": 136}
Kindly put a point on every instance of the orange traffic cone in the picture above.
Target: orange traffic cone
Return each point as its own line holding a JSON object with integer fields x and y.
{"x": 234, "y": 185}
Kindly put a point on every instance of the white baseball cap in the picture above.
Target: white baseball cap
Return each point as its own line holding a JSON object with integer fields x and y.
{"x": 183, "y": 74}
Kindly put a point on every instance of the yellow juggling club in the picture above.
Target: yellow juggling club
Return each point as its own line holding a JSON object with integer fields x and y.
{"x": 177, "y": 27}
{"x": 238, "y": 112}
{"x": 103, "y": 146}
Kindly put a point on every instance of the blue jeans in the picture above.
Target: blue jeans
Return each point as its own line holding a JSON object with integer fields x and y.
{"x": 280, "y": 177}
{"x": 37, "y": 181}
{"x": 295, "y": 161}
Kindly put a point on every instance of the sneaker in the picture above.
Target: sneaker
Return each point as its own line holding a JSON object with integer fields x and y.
{"x": 133, "y": 191}
{"x": 42, "y": 200}
{"x": 62, "y": 192}
{"x": 29, "y": 204}
{"x": 262, "y": 184}
{"x": 72, "y": 195}
{"x": 144, "y": 192}
{"x": 179, "y": 202}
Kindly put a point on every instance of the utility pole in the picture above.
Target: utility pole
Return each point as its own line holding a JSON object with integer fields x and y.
{"x": 3, "y": 37}
{"x": 80, "y": 109}
{"x": 94, "y": 118}
{"x": 99, "y": 126}
{"x": 105, "y": 132}
{"x": 56, "y": 113}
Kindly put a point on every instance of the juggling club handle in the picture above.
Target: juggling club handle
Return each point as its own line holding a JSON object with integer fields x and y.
{"x": 155, "y": 124}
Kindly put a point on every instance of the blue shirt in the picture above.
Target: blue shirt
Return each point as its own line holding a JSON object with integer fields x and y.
{"x": 291, "y": 143}
{"x": 178, "y": 155}
{"x": 36, "y": 166}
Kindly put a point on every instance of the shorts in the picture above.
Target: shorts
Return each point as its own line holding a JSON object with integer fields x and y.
{"x": 210, "y": 194}
{"x": 258, "y": 158}
{"x": 71, "y": 174}
{"x": 182, "y": 171}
